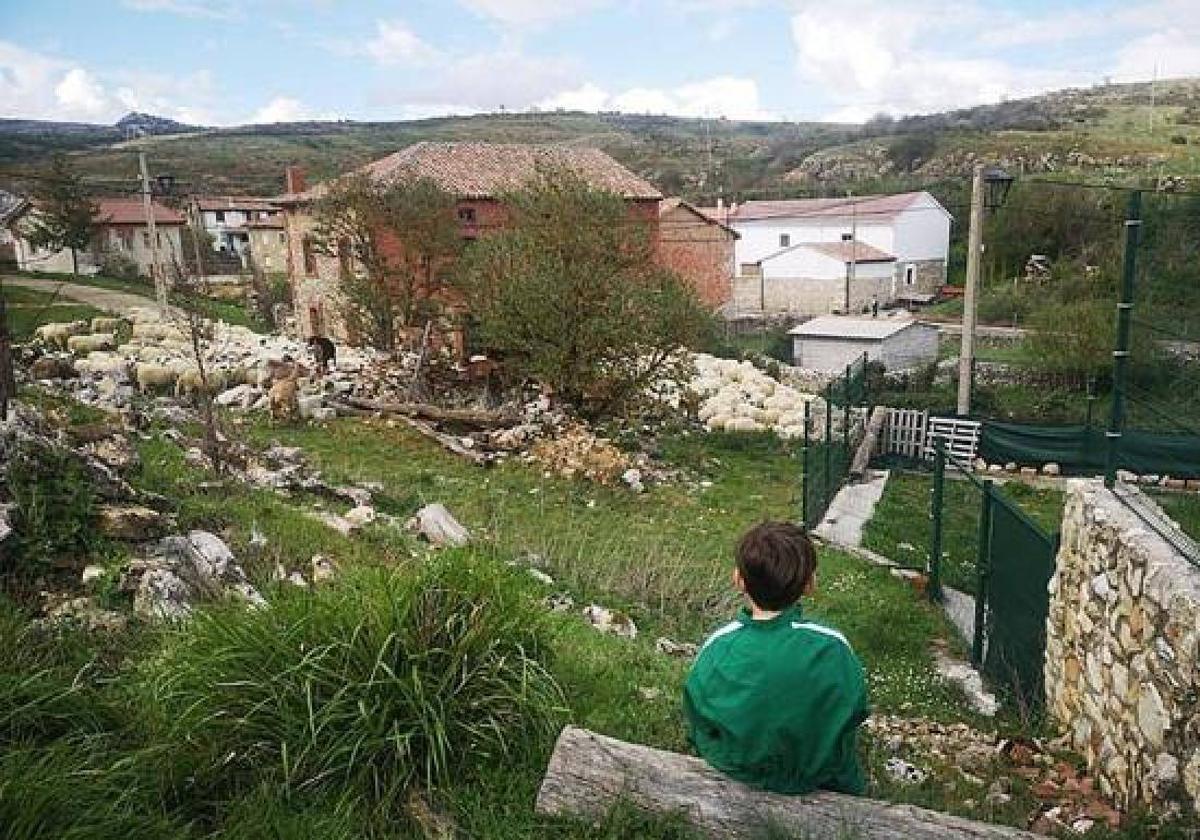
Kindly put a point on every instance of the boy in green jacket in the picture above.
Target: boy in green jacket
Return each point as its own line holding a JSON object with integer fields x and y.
{"x": 775, "y": 700}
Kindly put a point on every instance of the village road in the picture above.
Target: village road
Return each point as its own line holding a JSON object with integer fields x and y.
{"x": 106, "y": 299}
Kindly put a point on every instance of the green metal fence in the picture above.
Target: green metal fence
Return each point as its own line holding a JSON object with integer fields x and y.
{"x": 1014, "y": 562}
{"x": 826, "y": 460}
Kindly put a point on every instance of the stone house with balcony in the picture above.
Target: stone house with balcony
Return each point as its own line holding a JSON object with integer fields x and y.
{"x": 227, "y": 220}
{"x": 479, "y": 175}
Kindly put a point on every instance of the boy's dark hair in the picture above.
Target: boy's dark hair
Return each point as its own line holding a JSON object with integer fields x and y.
{"x": 776, "y": 561}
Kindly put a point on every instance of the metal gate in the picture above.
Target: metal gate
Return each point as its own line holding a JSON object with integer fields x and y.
{"x": 1018, "y": 562}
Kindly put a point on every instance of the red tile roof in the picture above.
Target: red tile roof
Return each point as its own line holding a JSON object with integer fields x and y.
{"x": 857, "y": 252}
{"x": 274, "y": 223}
{"x": 234, "y": 202}
{"x": 130, "y": 211}
{"x": 865, "y": 206}
{"x": 488, "y": 170}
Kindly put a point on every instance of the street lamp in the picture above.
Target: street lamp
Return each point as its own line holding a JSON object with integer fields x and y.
{"x": 989, "y": 188}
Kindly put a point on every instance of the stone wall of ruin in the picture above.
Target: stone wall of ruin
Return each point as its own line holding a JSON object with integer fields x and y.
{"x": 1123, "y": 645}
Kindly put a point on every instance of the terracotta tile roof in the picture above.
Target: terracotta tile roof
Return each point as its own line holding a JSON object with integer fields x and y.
{"x": 129, "y": 211}
{"x": 234, "y": 202}
{"x": 275, "y": 223}
{"x": 865, "y": 206}
{"x": 668, "y": 204}
{"x": 488, "y": 170}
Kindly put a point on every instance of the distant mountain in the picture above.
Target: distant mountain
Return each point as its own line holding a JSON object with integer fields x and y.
{"x": 138, "y": 124}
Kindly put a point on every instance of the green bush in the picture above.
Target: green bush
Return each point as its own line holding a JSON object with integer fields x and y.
{"x": 381, "y": 682}
{"x": 53, "y": 518}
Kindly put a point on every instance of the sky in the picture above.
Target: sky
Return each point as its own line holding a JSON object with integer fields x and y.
{"x": 231, "y": 62}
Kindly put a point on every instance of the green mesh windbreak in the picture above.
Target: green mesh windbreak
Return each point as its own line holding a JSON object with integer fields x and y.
{"x": 1020, "y": 562}
{"x": 1082, "y": 449}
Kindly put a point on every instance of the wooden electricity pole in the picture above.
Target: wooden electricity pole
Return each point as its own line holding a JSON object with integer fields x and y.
{"x": 156, "y": 273}
{"x": 852, "y": 269}
{"x": 966, "y": 359}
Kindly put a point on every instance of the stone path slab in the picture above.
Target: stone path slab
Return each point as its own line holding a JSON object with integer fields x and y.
{"x": 851, "y": 509}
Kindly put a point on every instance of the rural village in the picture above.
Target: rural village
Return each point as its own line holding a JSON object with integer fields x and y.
{"x": 395, "y": 492}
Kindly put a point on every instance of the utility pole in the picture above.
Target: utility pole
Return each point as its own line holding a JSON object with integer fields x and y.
{"x": 966, "y": 359}
{"x": 852, "y": 269}
{"x": 156, "y": 274}
{"x": 1116, "y": 422}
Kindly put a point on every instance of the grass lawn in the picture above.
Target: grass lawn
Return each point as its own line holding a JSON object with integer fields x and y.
{"x": 28, "y": 309}
{"x": 1184, "y": 508}
{"x": 901, "y": 528}
{"x": 227, "y": 311}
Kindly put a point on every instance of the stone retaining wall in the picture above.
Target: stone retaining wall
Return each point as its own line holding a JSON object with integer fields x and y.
{"x": 1122, "y": 649}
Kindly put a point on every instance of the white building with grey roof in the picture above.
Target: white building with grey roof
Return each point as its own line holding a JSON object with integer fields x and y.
{"x": 831, "y": 342}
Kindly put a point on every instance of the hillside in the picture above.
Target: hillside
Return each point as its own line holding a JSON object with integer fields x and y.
{"x": 1110, "y": 131}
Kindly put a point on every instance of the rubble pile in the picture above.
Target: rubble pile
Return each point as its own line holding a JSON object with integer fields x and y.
{"x": 955, "y": 755}
{"x": 578, "y": 452}
{"x": 739, "y": 397}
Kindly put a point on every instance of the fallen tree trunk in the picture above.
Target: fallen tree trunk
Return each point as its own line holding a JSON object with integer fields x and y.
{"x": 590, "y": 773}
{"x": 449, "y": 441}
{"x": 863, "y": 456}
{"x": 426, "y": 411}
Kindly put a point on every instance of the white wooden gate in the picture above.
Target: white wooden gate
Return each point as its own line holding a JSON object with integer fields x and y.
{"x": 913, "y": 433}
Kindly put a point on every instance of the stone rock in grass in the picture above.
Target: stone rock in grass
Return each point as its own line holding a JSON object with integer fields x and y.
{"x": 437, "y": 525}
{"x": 903, "y": 772}
{"x": 1051, "y": 469}
{"x": 610, "y": 621}
{"x": 540, "y": 576}
{"x": 968, "y": 679}
{"x": 133, "y": 523}
{"x": 670, "y": 647}
{"x": 323, "y": 568}
{"x": 91, "y": 574}
{"x": 560, "y": 602}
{"x": 84, "y": 613}
{"x": 180, "y": 571}
{"x": 360, "y": 516}
{"x": 5, "y": 527}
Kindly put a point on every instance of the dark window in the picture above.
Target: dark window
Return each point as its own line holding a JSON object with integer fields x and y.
{"x": 910, "y": 274}
{"x": 220, "y": 215}
{"x": 146, "y": 239}
{"x": 310, "y": 258}
{"x": 785, "y": 239}
{"x": 466, "y": 215}
{"x": 847, "y": 237}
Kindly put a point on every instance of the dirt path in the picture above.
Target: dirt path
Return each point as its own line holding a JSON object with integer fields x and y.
{"x": 106, "y": 299}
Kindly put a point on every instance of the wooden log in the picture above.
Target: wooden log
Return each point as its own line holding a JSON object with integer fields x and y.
{"x": 862, "y": 457}
{"x": 466, "y": 416}
{"x": 448, "y": 441}
{"x": 589, "y": 773}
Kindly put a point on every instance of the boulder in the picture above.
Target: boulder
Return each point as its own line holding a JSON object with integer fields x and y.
{"x": 437, "y": 525}
{"x": 181, "y": 570}
{"x": 1051, "y": 469}
{"x": 133, "y": 523}
{"x": 610, "y": 621}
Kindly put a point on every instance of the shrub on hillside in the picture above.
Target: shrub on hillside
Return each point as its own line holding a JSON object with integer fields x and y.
{"x": 382, "y": 681}
{"x": 53, "y": 517}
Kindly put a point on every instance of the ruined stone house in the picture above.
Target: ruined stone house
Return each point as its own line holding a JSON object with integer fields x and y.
{"x": 478, "y": 174}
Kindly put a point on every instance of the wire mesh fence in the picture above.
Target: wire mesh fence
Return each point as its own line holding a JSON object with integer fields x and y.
{"x": 830, "y": 437}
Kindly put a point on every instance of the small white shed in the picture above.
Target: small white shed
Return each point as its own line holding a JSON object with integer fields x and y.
{"x": 830, "y": 342}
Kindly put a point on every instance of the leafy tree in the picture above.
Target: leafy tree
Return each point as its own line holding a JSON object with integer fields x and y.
{"x": 571, "y": 295}
{"x": 394, "y": 243}
{"x": 65, "y": 217}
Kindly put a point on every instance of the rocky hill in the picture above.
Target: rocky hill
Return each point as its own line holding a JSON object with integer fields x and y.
{"x": 1120, "y": 132}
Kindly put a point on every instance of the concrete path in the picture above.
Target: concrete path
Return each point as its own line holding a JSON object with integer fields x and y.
{"x": 106, "y": 299}
{"x": 851, "y": 509}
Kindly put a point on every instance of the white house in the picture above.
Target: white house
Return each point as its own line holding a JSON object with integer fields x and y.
{"x": 890, "y": 248}
{"x": 227, "y": 220}
{"x": 830, "y": 342}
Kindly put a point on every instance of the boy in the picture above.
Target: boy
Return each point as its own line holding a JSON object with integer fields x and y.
{"x": 775, "y": 700}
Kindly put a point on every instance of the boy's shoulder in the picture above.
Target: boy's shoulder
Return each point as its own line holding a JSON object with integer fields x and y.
{"x": 799, "y": 630}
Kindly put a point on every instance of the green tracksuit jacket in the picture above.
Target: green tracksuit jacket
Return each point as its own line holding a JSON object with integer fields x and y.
{"x": 777, "y": 704}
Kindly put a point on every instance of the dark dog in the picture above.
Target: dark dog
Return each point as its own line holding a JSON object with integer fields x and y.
{"x": 323, "y": 351}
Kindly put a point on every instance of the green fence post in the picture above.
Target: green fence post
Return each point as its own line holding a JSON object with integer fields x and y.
{"x": 982, "y": 573}
{"x": 845, "y": 463}
{"x": 825, "y": 494}
{"x": 1133, "y": 230}
{"x": 804, "y": 506}
{"x": 935, "y": 542}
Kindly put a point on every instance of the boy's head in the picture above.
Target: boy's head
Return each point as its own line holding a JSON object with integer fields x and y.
{"x": 775, "y": 564}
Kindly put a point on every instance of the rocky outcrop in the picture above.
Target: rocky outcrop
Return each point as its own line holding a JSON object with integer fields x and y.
{"x": 1122, "y": 650}
{"x": 180, "y": 571}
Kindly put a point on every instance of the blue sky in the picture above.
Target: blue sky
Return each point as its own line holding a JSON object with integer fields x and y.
{"x": 224, "y": 62}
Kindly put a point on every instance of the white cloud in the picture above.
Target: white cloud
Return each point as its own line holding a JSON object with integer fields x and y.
{"x": 396, "y": 43}
{"x": 486, "y": 81}
{"x": 871, "y": 56}
{"x": 528, "y": 13}
{"x": 721, "y": 96}
{"x": 79, "y": 92}
{"x": 1166, "y": 54}
{"x": 214, "y": 9}
{"x": 287, "y": 109}
{"x": 191, "y": 98}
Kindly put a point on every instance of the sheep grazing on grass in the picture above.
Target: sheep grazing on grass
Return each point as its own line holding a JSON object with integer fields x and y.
{"x": 57, "y": 335}
{"x": 107, "y": 325}
{"x": 91, "y": 343}
{"x": 103, "y": 363}
{"x": 189, "y": 383}
{"x": 152, "y": 377}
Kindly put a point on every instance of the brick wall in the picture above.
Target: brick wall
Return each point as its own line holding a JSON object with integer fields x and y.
{"x": 700, "y": 252}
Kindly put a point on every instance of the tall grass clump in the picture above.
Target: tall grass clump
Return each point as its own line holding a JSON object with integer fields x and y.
{"x": 381, "y": 681}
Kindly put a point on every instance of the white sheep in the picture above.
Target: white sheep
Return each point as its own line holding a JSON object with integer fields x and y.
{"x": 106, "y": 325}
{"x": 152, "y": 376}
{"x": 90, "y": 343}
{"x": 57, "y": 335}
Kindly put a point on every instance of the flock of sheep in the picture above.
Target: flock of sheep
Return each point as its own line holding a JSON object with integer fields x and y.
{"x": 739, "y": 397}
